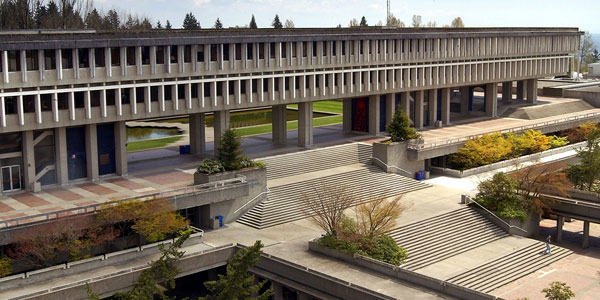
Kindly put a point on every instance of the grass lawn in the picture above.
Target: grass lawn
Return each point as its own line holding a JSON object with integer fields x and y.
{"x": 330, "y": 106}
{"x": 151, "y": 144}
{"x": 291, "y": 125}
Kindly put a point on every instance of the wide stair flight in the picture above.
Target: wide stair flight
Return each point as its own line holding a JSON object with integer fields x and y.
{"x": 440, "y": 237}
{"x": 501, "y": 271}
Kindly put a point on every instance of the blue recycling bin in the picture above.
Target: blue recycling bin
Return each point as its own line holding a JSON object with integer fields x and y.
{"x": 187, "y": 149}
{"x": 418, "y": 175}
{"x": 220, "y": 218}
{"x": 181, "y": 149}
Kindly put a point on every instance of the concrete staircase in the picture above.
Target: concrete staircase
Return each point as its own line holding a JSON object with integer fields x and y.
{"x": 503, "y": 270}
{"x": 316, "y": 160}
{"x": 283, "y": 203}
{"x": 440, "y": 237}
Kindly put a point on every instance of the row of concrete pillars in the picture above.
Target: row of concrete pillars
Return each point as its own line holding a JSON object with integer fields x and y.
{"x": 560, "y": 222}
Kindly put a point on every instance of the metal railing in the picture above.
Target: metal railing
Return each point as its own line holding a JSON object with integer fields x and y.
{"x": 171, "y": 194}
{"x": 417, "y": 145}
{"x": 470, "y": 200}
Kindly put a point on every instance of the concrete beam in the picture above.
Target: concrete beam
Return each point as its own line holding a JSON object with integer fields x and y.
{"x": 279, "y": 122}
{"x": 374, "y": 114}
{"x": 305, "y": 124}
{"x": 197, "y": 134}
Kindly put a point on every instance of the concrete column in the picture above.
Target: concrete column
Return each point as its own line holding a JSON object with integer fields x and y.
{"x": 277, "y": 290}
{"x": 62, "y": 167}
{"x": 28, "y": 160}
{"x": 405, "y": 103}
{"x": 374, "y": 114}
{"x": 560, "y": 221}
{"x": 507, "y": 91}
{"x": 420, "y": 99}
{"x": 586, "y": 235}
{"x": 464, "y": 99}
{"x": 491, "y": 100}
{"x": 532, "y": 91}
{"x": 221, "y": 123}
{"x": 521, "y": 90}
{"x": 279, "y": 124}
{"x": 433, "y": 100}
{"x": 347, "y": 115}
{"x": 305, "y": 124}
{"x": 197, "y": 134}
{"x": 121, "y": 148}
{"x": 91, "y": 149}
{"x": 390, "y": 108}
{"x": 446, "y": 105}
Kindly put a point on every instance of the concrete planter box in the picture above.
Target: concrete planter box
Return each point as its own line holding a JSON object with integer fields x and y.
{"x": 531, "y": 225}
{"x": 393, "y": 158}
{"x": 200, "y": 178}
{"x": 507, "y": 163}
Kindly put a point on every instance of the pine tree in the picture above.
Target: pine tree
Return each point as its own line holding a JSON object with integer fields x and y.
{"x": 190, "y": 22}
{"x": 168, "y": 25}
{"x": 158, "y": 25}
{"x": 399, "y": 129}
{"x": 229, "y": 152}
{"x": 363, "y": 22}
{"x": 252, "y": 23}
{"x": 237, "y": 283}
{"x": 276, "y": 22}
{"x": 218, "y": 24}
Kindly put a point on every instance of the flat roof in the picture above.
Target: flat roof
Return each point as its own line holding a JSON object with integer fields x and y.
{"x": 54, "y": 39}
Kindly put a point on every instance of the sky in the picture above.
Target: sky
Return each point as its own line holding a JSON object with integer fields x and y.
{"x": 330, "y": 13}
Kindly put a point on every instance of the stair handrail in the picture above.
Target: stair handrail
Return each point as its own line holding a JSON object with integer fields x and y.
{"x": 251, "y": 200}
{"x": 392, "y": 166}
{"x": 469, "y": 200}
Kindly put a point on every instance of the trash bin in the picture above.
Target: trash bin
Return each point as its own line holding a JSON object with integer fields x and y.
{"x": 220, "y": 218}
{"x": 418, "y": 175}
{"x": 181, "y": 149}
{"x": 187, "y": 149}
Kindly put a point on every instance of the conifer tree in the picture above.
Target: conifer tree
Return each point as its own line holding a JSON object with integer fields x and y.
{"x": 363, "y": 22}
{"x": 252, "y": 24}
{"x": 190, "y": 22}
{"x": 218, "y": 24}
{"x": 168, "y": 25}
{"x": 229, "y": 152}
{"x": 276, "y": 22}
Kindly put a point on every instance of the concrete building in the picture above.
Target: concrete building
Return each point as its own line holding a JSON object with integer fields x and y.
{"x": 65, "y": 96}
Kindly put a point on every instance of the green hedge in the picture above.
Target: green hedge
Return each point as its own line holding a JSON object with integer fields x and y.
{"x": 382, "y": 248}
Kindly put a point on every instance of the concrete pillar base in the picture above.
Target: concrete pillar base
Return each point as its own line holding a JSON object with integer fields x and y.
{"x": 532, "y": 91}
{"x": 419, "y": 103}
{"x": 221, "y": 123}
{"x": 390, "y": 108}
{"x": 491, "y": 100}
{"x": 62, "y": 167}
{"x": 29, "y": 161}
{"x": 464, "y": 99}
{"x": 347, "y": 115}
{"x": 405, "y": 103}
{"x": 507, "y": 92}
{"x": 586, "y": 235}
{"x": 521, "y": 90}
{"x": 121, "y": 148}
{"x": 432, "y": 102}
{"x": 374, "y": 114}
{"x": 560, "y": 221}
{"x": 91, "y": 149}
{"x": 446, "y": 105}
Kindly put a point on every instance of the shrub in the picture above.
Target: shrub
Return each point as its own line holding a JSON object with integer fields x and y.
{"x": 579, "y": 134}
{"x": 499, "y": 194}
{"x": 399, "y": 129}
{"x": 210, "y": 166}
{"x": 229, "y": 152}
{"x": 558, "y": 291}
{"x": 382, "y": 248}
{"x": 5, "y": 266}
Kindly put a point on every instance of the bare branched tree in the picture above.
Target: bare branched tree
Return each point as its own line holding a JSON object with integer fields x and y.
{"x": 535, "y": 182}
{"x": 326, "y": 205}
{"x": 378, "y": 215}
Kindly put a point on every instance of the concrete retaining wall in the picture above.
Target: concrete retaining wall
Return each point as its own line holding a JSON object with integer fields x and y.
{"x": 505, "y": 163}
{"x": 592, "y": 98}
{"x": 584, "y": 195}
{"x": 96, "y": 262}
{"x": 402, "y": 274}
{"x": 394, "y": 158}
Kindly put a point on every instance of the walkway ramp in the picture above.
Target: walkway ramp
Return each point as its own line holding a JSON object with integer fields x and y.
{"x": 284, "y": 202}
{"x": 440, "y": 237}
{"x": 535, "y": 112}
{"x": 503, "y": 270}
